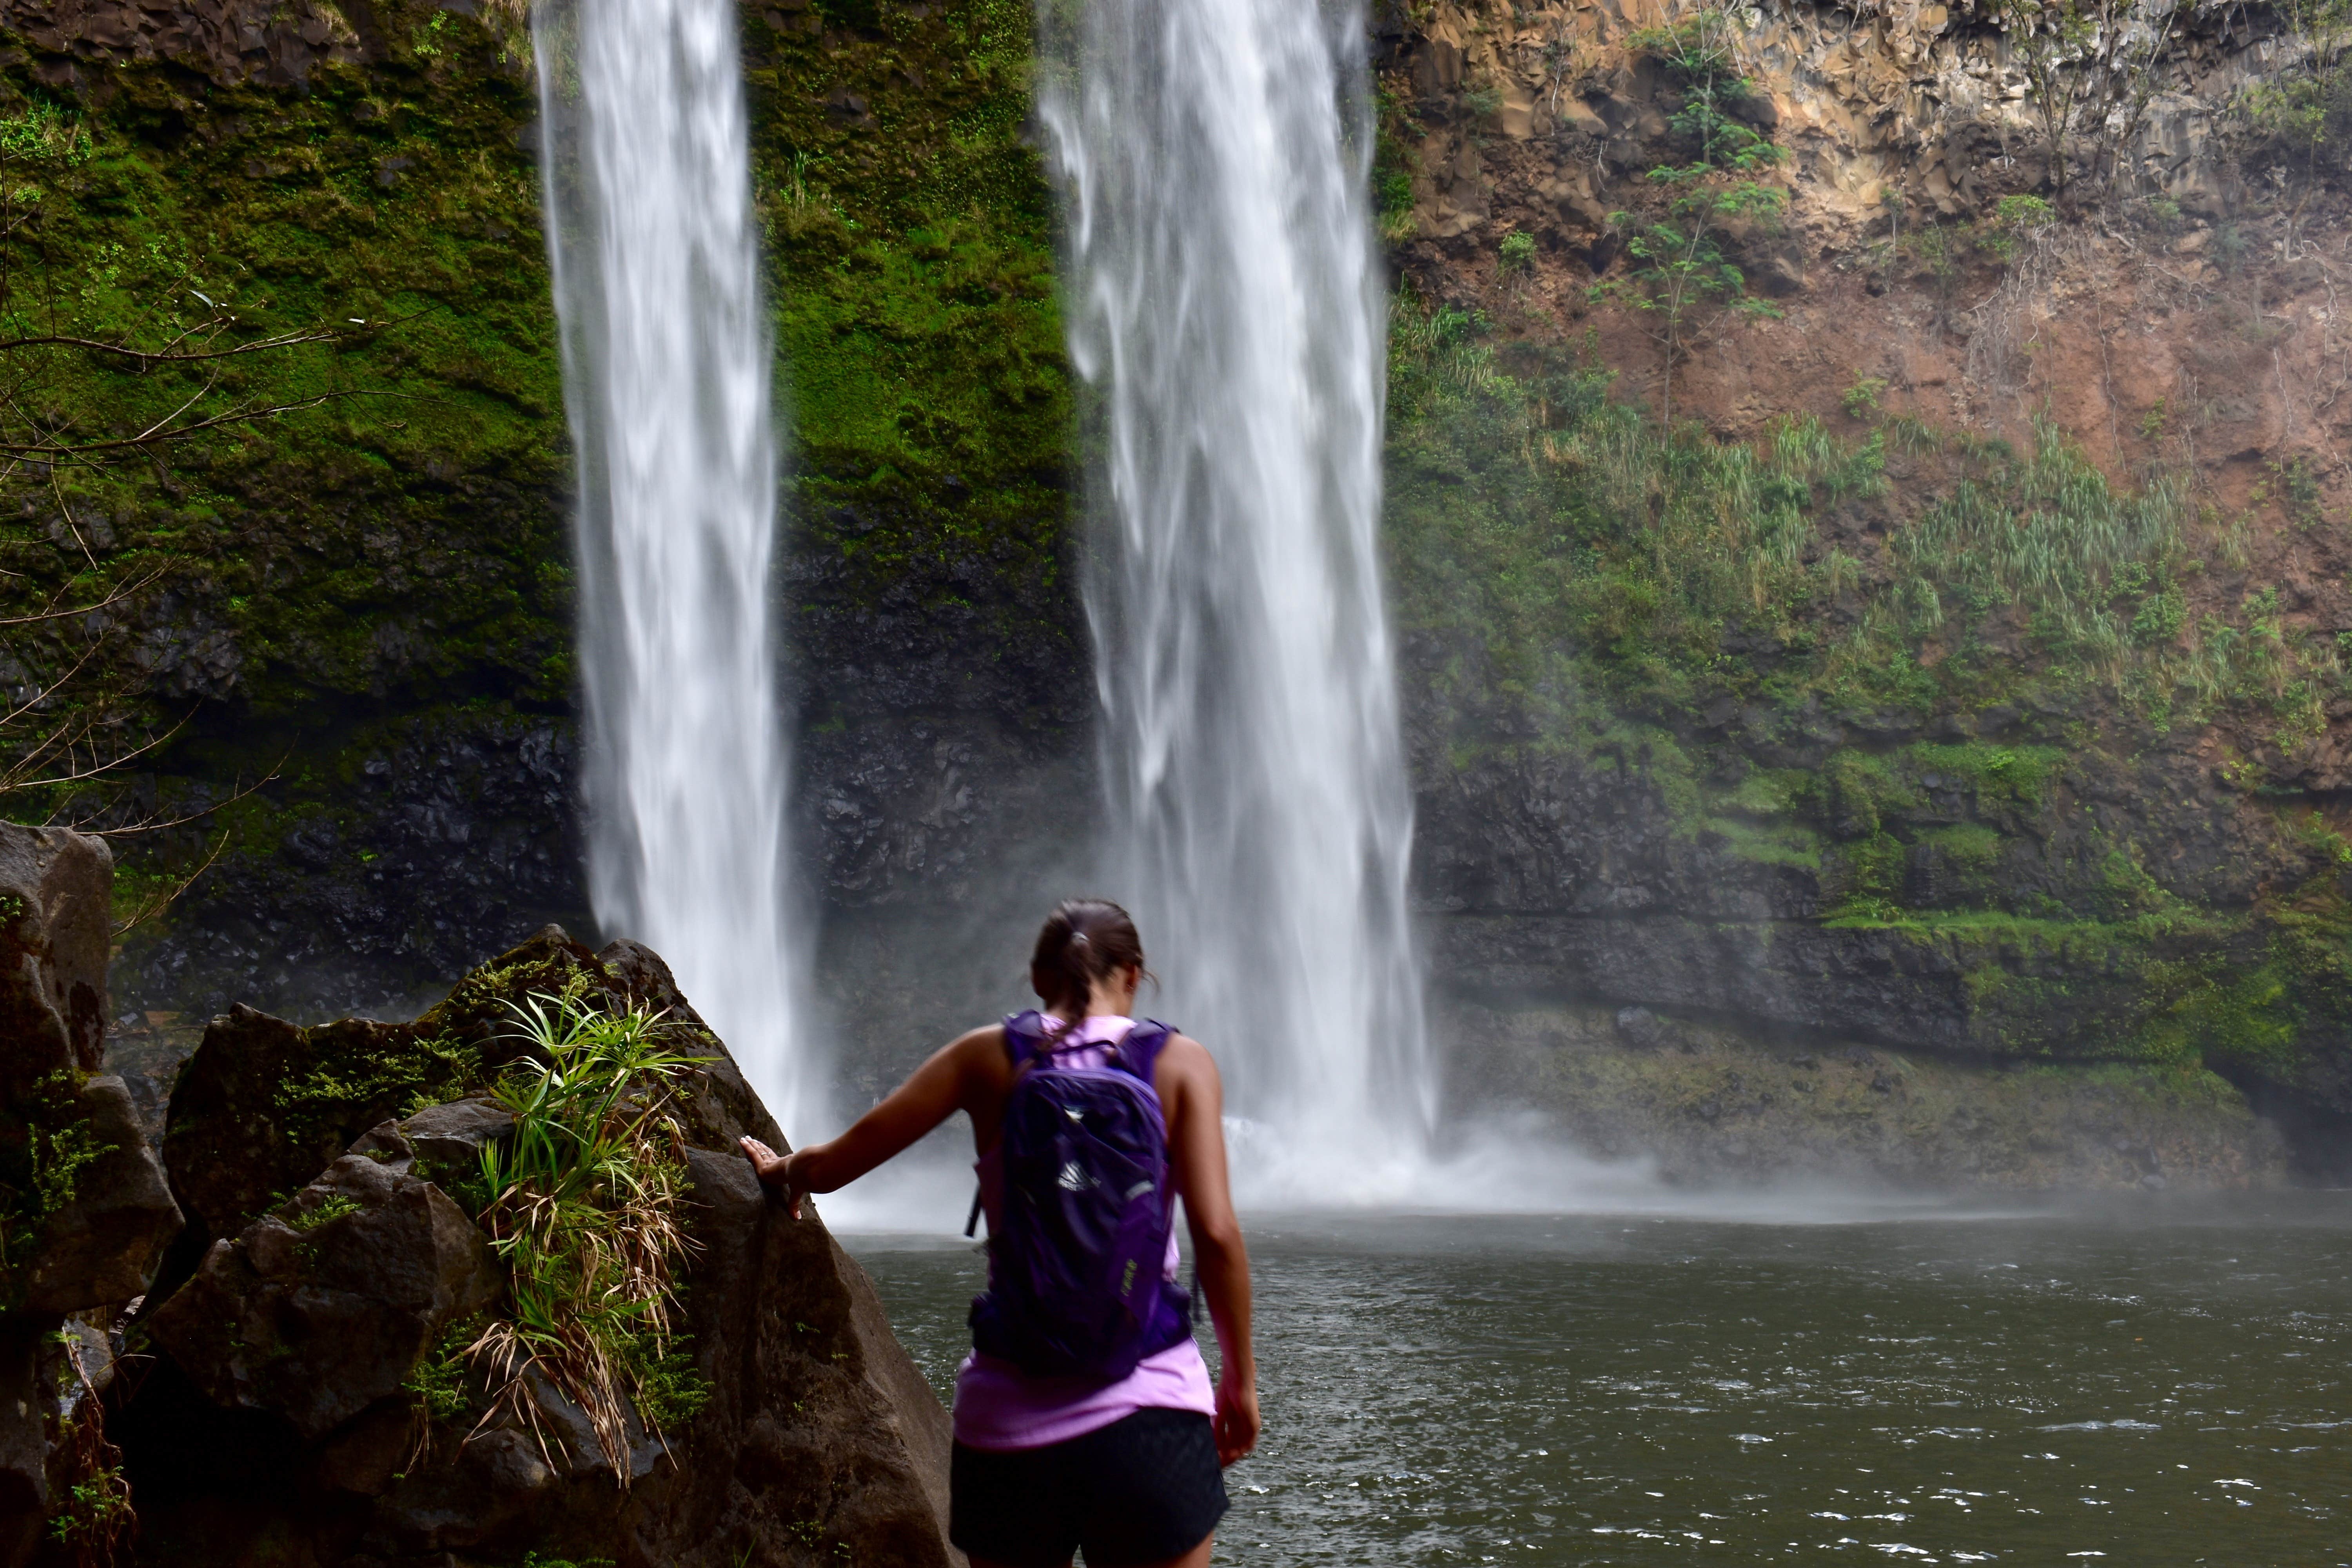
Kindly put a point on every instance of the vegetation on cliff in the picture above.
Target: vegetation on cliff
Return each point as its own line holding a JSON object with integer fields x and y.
{"x": 582, "y": 1202}
{"x": 1904, "y": 692}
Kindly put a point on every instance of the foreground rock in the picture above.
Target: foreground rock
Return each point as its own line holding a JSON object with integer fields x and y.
{"x": 285, "y": 1415}
{"x": 84, "y": 1210}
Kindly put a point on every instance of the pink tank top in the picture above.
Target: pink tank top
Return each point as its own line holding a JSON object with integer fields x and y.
{"x": 998, "y": 1406}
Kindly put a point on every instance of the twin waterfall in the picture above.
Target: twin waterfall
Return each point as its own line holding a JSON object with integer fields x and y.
{"x": 1224, "y": 300}
{"x": 666, "y": 371}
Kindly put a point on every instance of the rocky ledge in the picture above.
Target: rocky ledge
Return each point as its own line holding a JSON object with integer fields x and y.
{"x": 1711, "y": 1101}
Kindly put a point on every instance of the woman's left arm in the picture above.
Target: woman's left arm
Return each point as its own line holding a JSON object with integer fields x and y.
{"x": 1195, "y": 1098}
{"x": 932, "y": 1093}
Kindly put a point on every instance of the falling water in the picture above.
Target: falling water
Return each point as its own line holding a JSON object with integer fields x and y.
{"x": 1224, "y": 300}
{"x": 666, "y": 373}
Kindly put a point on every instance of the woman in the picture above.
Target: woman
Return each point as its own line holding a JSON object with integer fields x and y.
{"x": 1125, "y": 1469}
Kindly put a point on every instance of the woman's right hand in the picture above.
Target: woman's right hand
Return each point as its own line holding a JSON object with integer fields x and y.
{"x": 1237, "y": 1421}
{"x": 775, "y": 1174}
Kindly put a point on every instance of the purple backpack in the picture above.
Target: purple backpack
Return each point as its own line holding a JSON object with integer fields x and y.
{"x": 1077, "y": 1279}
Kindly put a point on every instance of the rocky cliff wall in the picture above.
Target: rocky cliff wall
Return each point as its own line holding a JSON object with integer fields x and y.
{"x": 1961, "y": 672}
{"x": 372, "y": 612}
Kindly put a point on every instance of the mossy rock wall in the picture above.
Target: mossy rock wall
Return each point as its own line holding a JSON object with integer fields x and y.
{"x": 1773, "y": 719}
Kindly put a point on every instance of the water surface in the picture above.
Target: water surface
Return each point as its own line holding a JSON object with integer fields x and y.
{"x": 2146, "y": 1384}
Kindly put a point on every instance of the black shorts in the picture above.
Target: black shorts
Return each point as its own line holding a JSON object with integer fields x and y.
{"x": 1142, "y": 1489}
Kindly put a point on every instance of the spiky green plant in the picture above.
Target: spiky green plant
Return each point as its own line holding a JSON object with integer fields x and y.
{"x": 580, "y": 1201}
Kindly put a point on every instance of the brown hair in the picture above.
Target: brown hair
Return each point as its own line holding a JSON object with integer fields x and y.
{"x": 1083, "y": 941}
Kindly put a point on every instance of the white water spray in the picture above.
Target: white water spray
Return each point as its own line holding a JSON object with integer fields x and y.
{"x": 667, "y": 377}
{"x": 1224, "y": 298}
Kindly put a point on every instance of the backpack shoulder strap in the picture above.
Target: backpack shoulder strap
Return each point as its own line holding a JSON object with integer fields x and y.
{"x": 1138, "y": 1050}
{"x": 1025, "y": 1037}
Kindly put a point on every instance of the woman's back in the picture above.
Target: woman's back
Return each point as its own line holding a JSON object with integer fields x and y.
{"x": 1119, "y": 1456}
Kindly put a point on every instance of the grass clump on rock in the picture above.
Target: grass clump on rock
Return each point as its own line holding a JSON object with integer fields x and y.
{"x": 580, "y": 1201}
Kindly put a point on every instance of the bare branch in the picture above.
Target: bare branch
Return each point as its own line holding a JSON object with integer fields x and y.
{"x": 53, "y": 451}
{"x": 163, "y": 900}
{"x": 114, "y": 598}
{"x": 268, "y": 778}
{"x": 176, "y": 356}
{"x": 76, "y": 775}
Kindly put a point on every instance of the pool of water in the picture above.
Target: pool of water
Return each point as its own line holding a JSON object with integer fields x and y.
{"x": 2148, "y": 1384}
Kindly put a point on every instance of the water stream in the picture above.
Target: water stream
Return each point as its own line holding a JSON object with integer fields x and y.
{"x": 666, "y": 381}
{"x": 1224, "y": 300}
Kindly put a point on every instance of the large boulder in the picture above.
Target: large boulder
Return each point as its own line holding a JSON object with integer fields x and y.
{"x": 85, "y": 1213}
{"x": 265, "y": 1104}
{"x": 278, "y": 1418}
{"x": 57, "y": 892}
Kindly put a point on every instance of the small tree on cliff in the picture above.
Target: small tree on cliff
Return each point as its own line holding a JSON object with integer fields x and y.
{"x": 1680, "y": 270}
{"x": 2303, "y": 115}
{"x": 2089, "y": 65}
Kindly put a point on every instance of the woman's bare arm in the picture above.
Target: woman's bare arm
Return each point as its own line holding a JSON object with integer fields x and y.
{"x": 1195, "y": 1097}
{"x": 933, "y": 1092}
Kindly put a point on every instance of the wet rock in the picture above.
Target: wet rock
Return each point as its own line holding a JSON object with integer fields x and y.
{"x": 236, "y": 1137}
{"x": 449, "y": 1139}
{"x": 265, "y": 1104}
{"x": 1641, "y": 1027}
{"x": 23, "y": 1438}
{"x": 1738, "y": 1109}
{"x": 365, "y": 1456}
{"x": 320, "y": 1309}
{"x": 55, "y": 897}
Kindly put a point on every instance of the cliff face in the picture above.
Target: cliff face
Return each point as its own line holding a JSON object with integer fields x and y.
{"x": 368, "y": 606}
{"x": 1956, "y": 671}
{"x": 1962, "y": 672}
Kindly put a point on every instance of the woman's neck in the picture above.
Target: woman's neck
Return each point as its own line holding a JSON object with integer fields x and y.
{"x": 1096, "y": 1007}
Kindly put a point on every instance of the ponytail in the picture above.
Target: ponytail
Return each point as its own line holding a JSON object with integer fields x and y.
{"x": 1083, "y": 941}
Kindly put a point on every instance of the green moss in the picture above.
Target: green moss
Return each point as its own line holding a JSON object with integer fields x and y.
{"x": 2219, "y": 1013}
{"x": 350, "y": 1083}
{"x": 2005, "y": 775}
{"x": 391, "y": 211}
{"x": 669, "y": 1392}
{"x": 442, "y": 1383}
{"x": 1970, "y": 847}
{"x": 326, "y": 1211}
{"x": 911, "y": 263}
{"x": 46, "y": 1144}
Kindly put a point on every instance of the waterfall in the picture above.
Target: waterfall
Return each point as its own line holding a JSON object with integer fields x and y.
{"x": 1224, "y": 300}
{"x": 667, "y": 370}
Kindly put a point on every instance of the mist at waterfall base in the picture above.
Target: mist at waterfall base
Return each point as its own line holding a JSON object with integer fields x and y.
{"x": 653, "y": 243}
